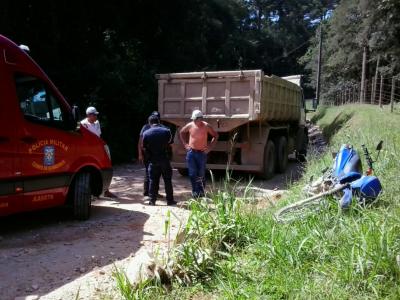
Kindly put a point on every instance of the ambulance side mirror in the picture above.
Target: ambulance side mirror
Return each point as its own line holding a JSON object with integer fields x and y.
{"x": 75, "y": 116}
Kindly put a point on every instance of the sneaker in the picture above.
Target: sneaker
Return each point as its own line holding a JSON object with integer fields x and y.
{"x": 152, "y": 203}
{"x": 172, "y": 202}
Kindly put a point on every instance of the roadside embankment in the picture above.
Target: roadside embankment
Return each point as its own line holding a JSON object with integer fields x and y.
{"x": 234, "y": 253}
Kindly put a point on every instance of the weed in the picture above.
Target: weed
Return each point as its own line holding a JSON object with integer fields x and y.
{"x": 234, "y": 253}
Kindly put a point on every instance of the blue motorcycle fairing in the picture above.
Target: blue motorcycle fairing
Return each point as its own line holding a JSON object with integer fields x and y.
{"x": 347, "y": 160}
{"x": 367, "y": 187}
{"x": 349, "y": 177}
{"x": 345, "y": 201}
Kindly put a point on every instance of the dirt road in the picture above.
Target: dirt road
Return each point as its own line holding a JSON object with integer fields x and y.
{"x": 47, "y": 254}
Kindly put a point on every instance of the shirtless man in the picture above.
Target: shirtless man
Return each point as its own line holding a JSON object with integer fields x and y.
{"x": 197, "y": 150}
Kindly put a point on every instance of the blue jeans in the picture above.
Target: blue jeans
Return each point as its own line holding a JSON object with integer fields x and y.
{"x": 196, "y": 162}
{"x": 156, "y": 169}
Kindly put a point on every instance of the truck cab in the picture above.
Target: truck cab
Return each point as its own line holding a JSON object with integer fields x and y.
{"x": 46, "y": 158}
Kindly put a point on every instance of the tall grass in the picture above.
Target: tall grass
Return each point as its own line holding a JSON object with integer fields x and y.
{"x": 232, "y": 252}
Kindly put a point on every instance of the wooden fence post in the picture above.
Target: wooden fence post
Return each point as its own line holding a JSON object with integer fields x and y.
{"x": 392, "y": 94}
{"x": 373, "y": 86}
{"x": 363, "y": 73}
{"x": 373, "y": 97}
{"x": 381, "y": 92}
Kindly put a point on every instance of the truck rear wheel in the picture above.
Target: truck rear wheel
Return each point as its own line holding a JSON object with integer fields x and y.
{"x": 281, "y": 154}
{"x": 82, "y": 196}
{"x": 269, "y": 160}
{"x": 302, "y": 144}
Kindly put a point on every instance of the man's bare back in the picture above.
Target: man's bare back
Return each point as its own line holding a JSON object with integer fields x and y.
{"x": 198, "y": 135}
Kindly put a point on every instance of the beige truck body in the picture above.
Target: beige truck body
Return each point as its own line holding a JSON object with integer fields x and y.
{"x": 245, "y": 107}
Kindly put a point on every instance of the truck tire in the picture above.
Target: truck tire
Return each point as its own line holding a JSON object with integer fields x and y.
{"x": 269, "y": 160}
{"x": 302, "y": 145}
{"x": 281, "y": 154}
{"x": 82, "y": 196}
{"x": 183, "y": 172}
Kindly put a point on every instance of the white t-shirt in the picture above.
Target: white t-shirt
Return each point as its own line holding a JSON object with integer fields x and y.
{"x": 93, "y": 127}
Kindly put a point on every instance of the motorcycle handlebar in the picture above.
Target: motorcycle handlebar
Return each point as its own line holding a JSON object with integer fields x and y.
{"x": 368, "y": 157}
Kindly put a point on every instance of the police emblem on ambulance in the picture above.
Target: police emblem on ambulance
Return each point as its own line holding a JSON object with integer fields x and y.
{"x": 47, "y": 148}
{"x": 49, "y": 156}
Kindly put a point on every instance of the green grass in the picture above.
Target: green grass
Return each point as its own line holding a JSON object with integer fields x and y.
{"x": 235, "y": 252}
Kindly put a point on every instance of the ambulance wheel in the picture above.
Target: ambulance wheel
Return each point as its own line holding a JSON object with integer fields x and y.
{"x": 183, "y": 172}
{"x": 269, "y": 160}
{"x": 82, "y": 196}
{"x": 281, "y": 154}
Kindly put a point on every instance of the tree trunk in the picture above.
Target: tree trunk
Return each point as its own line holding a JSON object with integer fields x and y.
{"x": 318, "y": 91}
{"x": 381, "y": 92}
{"x": 392, "y": 94}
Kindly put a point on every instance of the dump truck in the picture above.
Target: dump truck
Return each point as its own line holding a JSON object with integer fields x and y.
{"x": 260, "y": 119}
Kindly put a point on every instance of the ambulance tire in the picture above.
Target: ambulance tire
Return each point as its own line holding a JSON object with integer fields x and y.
{"x": 82, "y": 196}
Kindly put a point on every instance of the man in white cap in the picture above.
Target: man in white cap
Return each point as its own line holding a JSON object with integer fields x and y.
{"x": 93, "y": 125}
{"x": 197, "y": 149}
{"x": 90, "y": 122}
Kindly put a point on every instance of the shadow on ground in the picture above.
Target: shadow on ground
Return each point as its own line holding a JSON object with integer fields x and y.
{"x": 278, "y": 182}
{"x": 48, "y": 252}
{"x": 340, "y": 120}
{"x": 321, "y": 112}
{"x": 42, "y": 251}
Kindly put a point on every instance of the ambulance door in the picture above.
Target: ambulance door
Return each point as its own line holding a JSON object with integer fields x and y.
{"x": 10, "y": 184}
{"x": 45, "y": 146}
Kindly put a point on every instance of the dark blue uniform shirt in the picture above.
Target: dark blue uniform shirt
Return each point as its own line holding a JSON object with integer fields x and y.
{"x": 148, "y": 126}
{"x": 156, "y": 140}
{"x": 144, "y": 128}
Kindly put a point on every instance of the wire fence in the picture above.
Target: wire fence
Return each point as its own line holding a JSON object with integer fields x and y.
{"x": 376, "y": 90}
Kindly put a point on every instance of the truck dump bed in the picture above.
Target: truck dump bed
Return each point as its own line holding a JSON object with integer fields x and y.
{"x": 243, "y": 96}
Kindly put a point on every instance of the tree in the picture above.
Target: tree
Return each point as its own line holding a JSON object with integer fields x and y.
{"x": 106, "y": 54}
{"x": 353, "y": 25}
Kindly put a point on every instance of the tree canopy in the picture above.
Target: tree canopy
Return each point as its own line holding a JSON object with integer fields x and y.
{"x": 107, "y": 53}
{"x": 353, "y": 25}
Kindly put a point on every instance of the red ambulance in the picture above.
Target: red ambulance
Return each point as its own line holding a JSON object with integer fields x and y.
{"x": 46, "y": 160}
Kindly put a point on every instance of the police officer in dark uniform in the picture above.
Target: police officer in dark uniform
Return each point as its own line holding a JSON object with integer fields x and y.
{"x": 156, "y": 141}
{"x": 143, "y": 157}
